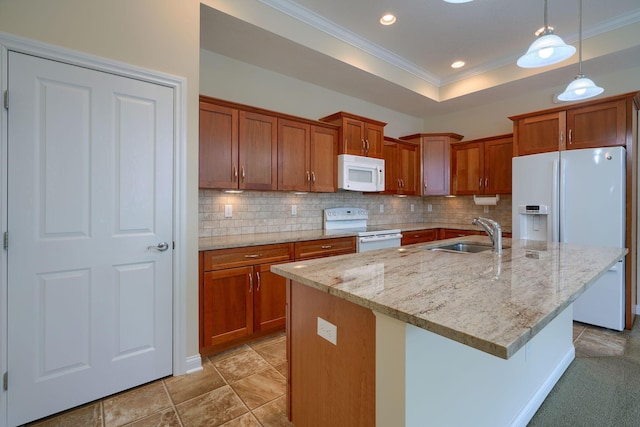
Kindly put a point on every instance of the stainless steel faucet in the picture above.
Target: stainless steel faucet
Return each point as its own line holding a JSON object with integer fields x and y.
{"x": 494, "y": 231}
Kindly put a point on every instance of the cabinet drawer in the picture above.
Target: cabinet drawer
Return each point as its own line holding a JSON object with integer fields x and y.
{"x": 419, "y": 236}
{"x": 325, "y": 247}
{"x": 450, "y": 233}
{"x": 238, "y": 257}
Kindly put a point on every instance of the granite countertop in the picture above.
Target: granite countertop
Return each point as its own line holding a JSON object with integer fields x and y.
{"x": 240, "y": 240}
{"x": 493, "y": 303}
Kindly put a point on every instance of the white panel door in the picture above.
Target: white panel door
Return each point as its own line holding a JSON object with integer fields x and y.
{"x": 90, "y": 178}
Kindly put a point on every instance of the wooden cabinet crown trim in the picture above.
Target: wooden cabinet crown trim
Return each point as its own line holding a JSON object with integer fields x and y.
{"x": 249, "y": 108}
{"x": 421, "y": 135}
{"x": 485, "y": 139}
{"x": 341, "y": 114}
{"x": 635, "y": 96}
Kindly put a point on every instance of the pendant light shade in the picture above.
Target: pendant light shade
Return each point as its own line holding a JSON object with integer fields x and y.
{"x": 581, "y": 87}
{"x": 547, "y": 49}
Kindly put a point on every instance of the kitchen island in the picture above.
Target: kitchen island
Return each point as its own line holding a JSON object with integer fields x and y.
{"x": 416, "y": 337}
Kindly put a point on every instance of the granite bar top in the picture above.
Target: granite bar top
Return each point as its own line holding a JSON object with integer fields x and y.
{"x": 493, "y": 303}
{"x": 240, "y": 240}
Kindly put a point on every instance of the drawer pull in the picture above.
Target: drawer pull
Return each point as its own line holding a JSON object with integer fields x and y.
{"x": 253, "y": 256}
{"x": 258, "y": 276}
{"x": 250, "y": 282}
{"x": 326, "y": 246}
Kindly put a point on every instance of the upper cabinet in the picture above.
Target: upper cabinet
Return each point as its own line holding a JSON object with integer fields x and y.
{"x": 482, "y": 166}
{"x": 358, "y": 135}
{"x": 402, "y": 167}
{"x": 434, "y": 161}
{"x": 592, "y": 124}
{"x": 306, "y": 156}
{"x": 238, "y": 149}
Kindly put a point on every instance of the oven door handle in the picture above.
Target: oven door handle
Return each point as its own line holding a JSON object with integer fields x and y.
{"x": 380, "y": 238}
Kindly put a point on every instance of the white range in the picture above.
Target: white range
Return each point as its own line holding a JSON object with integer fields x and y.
{"x": 341, "y": 220}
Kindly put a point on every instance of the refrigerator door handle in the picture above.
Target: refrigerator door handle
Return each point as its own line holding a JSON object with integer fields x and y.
{"x": 555, "y": 189}
{"x": 561, "y": 208}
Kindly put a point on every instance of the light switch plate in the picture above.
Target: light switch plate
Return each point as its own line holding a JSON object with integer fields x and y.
{"x": 328, "y": 331}
{"x": 228, "y": 211}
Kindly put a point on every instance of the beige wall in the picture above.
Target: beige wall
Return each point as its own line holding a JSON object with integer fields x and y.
{"x": 161, "y": 35}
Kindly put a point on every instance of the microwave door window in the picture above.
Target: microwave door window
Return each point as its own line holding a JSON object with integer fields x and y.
{"x": 361, "y": 175}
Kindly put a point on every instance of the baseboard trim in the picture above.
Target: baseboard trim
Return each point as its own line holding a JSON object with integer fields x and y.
{"x": 193, "y": 364}
{"x": 535, "y": 402}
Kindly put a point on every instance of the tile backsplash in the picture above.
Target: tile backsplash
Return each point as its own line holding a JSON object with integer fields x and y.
{"x": 266, "y": 211}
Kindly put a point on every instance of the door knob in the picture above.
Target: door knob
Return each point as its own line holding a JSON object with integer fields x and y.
{"x": 160, "y": 247}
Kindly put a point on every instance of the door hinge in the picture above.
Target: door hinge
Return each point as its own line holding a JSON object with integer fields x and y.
{"x": 6, "y": 99}
{"x": 5, "y": 381}
{"x": 6, "y": 240}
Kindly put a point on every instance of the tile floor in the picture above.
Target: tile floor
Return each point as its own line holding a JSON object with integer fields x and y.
{"x": 244, "y": 387}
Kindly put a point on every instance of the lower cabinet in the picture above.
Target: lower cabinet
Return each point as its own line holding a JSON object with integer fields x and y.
{"x": 419, "y": 236}
{"x": 241, "y": 299}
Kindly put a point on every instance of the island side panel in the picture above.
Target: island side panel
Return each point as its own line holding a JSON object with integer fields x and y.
{"x": 330, "y": 385}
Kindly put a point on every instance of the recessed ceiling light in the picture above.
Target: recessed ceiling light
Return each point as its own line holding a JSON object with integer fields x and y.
{"x": 388, "y": 19}
{"x": 457, "y": 64}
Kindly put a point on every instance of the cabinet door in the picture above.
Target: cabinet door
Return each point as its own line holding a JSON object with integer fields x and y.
{"x": 258, "y": 151}
{"x": 373, "y": 138}
{"x": 497, "y": 166}
{"x": 227, "y": 305}
{"x": 391, "y": 173}
{"x": 218, "y": 142}
{"x": 467, "y": 160}
{"x": 352, "y": 137}
{"x": 294, "y": 141}
{"x": 435, "y": 166}
{"x": 599, "y": 125}
{"x": 269, "y": 299}
{"x": 324, "y": 151}
{"x": 540, "y": 134}
{"x": 409, "y": 169}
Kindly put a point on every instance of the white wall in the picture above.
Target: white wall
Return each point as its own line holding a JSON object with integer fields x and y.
{"x": 226, "y": 78}
{"x": 161, "y": 35}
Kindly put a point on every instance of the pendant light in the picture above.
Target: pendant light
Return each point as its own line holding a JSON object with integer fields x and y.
{"x": 547, "y": 49}
{"x": 581, "y": 87}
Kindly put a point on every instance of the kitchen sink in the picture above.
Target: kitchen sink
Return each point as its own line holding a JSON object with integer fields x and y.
{"x": 460, "y": 247}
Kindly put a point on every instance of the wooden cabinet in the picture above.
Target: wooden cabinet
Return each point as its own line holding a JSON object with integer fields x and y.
{"x": 450, "y": 233}
{"x": 402, "y": 167}
{"x": 593, "y": 124}
{"x": 307, "y": 157}
{"x": 482, "y": 166}
{"x": 238, "y": 149}
{"x": 358, "y": 135}
{"x": 434, "y": 161}
{"x": 324, "y": 247}
{"x": 419, "y": 236}
{"x": 240, "y": 298}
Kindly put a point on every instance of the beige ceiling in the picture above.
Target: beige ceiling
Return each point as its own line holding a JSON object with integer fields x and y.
{"x": 340, "y": 45}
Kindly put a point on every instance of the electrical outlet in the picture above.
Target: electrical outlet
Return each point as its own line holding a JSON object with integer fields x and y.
{"x": 413, "y": 208}
{"x": 486, "y": 209}
{"x": 381, "y": 208}
{"x": 429, "y": 207}
{"x": 228, "y": 211}
{"x": 328, "y": 331}
{"x": 294, "y": 210}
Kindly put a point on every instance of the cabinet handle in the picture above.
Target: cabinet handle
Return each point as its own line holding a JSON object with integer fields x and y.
{"x": 402, "y": 182}
{"x": 308, "y": 177}
{"x": 326, "y": 247}
{"x": 235, "y": 172}
{"x": 399, "y": 184}
{"x": 561, "y": 138}
{"x": 480, "y": 183}
{"x": 486, "y": 182}
{"x": 253, "y": 256}
{"x": 242, "y": 174}
{"x": 367, "y": 144}
{"x": 313, "y": 177}
{"x": 258, "y": 276}
{"x": 250, "y": 282}
{"x": 570, "y": 136}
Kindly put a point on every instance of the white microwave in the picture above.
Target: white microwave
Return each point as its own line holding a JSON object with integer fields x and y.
{"x": 358, "y": 173}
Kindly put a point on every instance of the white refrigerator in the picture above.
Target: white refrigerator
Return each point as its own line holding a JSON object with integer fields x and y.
{"x": 577, "y": 196}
